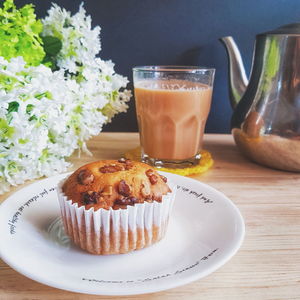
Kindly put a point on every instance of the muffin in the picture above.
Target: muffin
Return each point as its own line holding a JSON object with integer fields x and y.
{"x": 112, "y": 207}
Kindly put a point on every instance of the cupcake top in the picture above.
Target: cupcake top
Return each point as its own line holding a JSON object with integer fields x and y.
{"x": 115, "y": 183}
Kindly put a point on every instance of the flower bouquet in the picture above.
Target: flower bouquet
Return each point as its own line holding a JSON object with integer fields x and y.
{"x": 55, "y": 93}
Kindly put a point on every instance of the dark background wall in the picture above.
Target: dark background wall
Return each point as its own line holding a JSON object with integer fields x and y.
{"x": 179, "y": 32}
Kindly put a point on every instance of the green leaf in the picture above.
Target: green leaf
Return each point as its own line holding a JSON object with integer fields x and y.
{"x": 13, "y": 106}
{"x": 9, "y": 118}
{"x": 114, "y": 95}
{"x": 44, "y": 156}
{"x": 6, "y": 131}
{"x": 20, "y": 33}
{"x": 32, "y": 118}
{"x": 7, "y": 82}
{"x": 23, "y": 141}
{"x": 8, "y": 5}
{"x": 12, "y": 167}
{"x": 52, "y": 45}
{"x": 51, "y": 137}
{"x": 40, "y": 121}
{"x": 29, "y": 108}
{"x": 46, "y": 94}
{"x": 78, "y": 109}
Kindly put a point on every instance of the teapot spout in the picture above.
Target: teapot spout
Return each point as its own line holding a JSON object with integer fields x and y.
{"x": 238, "y": 80}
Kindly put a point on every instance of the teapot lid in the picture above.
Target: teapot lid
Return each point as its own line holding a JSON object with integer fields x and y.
{"x": 289, "y": 29}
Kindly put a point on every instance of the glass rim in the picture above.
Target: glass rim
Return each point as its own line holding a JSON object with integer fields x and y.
{"x": 173, "y": 68}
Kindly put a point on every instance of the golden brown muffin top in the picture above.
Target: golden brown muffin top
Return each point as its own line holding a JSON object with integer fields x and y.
{"x": 115, "y": 183}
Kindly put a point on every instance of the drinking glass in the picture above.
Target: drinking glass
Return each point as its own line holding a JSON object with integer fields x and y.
{"x": 172, "y": 106}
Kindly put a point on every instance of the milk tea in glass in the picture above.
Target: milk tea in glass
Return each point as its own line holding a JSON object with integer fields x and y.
{"x": 172, "y": 106}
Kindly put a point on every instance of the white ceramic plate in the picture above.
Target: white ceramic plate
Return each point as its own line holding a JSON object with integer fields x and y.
{"x": 205, "y": 231}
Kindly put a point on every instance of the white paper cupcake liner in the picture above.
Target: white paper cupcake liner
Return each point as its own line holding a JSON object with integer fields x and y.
{"x": 116, "y": 231}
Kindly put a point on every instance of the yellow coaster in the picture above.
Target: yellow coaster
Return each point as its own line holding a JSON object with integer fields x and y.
{"x": 205, "y": 163}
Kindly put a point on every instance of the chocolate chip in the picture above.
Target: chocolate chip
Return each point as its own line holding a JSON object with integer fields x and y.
{"x": 120, "y": 201}
{"x": 90, "y": 197}
{"x": 153, "y": 179}
{"x": 149, "y": 172}
{"x": 126, "y": 201}
{"x": 157, "y": 198}
{"x": 133, "y": 200}
{"x": 128, "y": 164}
{"x": 107, "y": 169}
{"x": 85, "y": 177}
{"x": 111, "y": 168}
{"x": 124, "y": 188}
{"x": 125, "y": 161}
{"x": 164, "y": 178}
{"x": 128, "y": 167}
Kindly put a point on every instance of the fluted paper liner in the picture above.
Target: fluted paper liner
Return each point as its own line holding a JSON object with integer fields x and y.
{"x": 116, "y": 231}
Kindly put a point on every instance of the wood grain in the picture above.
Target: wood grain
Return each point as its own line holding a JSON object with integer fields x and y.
{"x": 268, "y": 264}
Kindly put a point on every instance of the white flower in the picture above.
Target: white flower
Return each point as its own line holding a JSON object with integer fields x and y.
{"x": 45, "y": 115}
{"x": 80, "y": 45}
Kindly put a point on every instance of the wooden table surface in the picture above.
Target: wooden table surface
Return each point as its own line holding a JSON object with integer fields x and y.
{"x": 268, "y": 264}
